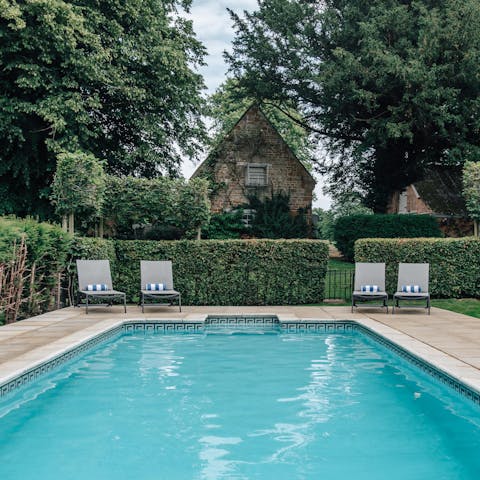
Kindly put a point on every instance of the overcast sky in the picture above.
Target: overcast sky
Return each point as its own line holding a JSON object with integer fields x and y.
{"x": 213, "y": 27}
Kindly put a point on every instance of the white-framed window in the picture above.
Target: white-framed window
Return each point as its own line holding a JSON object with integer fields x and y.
{"x": 248, "y": 216}
{"x": 256, "y": 175}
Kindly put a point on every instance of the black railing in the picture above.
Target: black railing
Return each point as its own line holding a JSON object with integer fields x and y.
{"x": 339, "y": 284}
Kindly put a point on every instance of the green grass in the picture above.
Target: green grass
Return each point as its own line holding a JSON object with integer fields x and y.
{"x": 467, "y": 306}
{"x": 335, "y": 264}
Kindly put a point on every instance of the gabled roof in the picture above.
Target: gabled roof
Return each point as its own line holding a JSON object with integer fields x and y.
{"x": 253, "y": 106}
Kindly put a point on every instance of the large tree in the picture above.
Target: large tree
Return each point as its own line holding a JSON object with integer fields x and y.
{"x": 116, "y": 79}
{"x": 390, "y": 86}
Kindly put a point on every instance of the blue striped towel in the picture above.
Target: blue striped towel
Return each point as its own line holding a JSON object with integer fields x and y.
{"x": 156, "y": 286}
{"x": 369, "y": 288}
{"x": 97, "y": 287}
{"x": 411, "y": 288}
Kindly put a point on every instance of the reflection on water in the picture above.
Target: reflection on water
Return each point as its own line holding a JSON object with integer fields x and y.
{"x": 235, "y": 406}
{"x": 214, "y": 464}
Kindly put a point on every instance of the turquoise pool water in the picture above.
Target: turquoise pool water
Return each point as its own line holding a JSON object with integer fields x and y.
{"x": 239, "y": 406}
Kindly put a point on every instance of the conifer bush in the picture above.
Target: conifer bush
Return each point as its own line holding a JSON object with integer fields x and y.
{"x": 352, "y": 227}
{"x": 33, "y": 257}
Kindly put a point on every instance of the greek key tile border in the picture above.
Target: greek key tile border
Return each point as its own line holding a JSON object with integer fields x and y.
{"x": 131, "y": 327}
{"x": 425, "y": 366}
{"x": 44, "y": 368}
{"x": 319, "y": 327}
{"x": 268, "y": 320}
{"x": 162, "y": 327}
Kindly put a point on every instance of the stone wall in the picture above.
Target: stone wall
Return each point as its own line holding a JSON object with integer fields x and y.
{"x": 253, "y": 140}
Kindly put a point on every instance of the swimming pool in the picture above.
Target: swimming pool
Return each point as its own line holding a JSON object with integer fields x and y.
{"x": 239, "y": 404}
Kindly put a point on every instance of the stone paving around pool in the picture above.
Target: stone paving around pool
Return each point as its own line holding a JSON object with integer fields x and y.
{"x": 448, "y": 340}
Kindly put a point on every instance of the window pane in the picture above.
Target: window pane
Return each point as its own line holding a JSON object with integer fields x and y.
{"x": 257, "y": 175}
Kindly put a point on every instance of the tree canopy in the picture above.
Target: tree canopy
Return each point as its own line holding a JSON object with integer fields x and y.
{"x": 390, "y": 86}
{"x": 114, "y": 79}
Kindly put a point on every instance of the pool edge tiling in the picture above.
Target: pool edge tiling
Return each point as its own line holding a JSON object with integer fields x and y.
{"x": 460, "y": 376}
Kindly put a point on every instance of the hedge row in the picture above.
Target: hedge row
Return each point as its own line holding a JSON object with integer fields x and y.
{"x": 29, "y": 284}
{"x": 454, "y": 262}
{"x": 352, "y": 227}
{"x": 222, "y": 272}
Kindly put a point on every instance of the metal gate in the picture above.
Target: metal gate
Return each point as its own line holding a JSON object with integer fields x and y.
{"x": 339, "y": 284}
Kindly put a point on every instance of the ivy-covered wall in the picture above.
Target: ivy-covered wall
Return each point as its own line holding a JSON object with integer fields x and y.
{"x": 215, "y": 272}
{"x": 254, "y": 140}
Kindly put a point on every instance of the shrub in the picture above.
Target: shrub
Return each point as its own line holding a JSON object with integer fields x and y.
{"x": 225, "y": 226}
{"x": 273, "y": 218}
{"x": 454, "y": 262}
{"x": 155, "y": 205}
{"x": 32, "y": 258}
{"x": 162, "y": 232}
{"x": 231, "y": 272}
{"x": 93, "y": 249}
{"x": 78, "y": 187}
{"x": 348, "y": 229}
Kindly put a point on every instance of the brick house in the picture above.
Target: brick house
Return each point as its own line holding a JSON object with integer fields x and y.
{"x": 254, "y": 160}
{"x": 438, "y": 194}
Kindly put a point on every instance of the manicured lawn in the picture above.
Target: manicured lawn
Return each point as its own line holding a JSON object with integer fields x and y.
{"x": 467, "y": 306}
{"x": 335, "y": 264}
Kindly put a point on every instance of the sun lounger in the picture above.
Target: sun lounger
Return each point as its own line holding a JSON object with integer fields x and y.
{"x": 369, "y": 284}
{"x": 412, "y": 285}
{"x": 95, "y": 282}
{"x": 156, "y": 284}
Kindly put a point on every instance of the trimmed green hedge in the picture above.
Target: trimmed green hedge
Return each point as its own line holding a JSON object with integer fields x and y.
{"x": 228, "y": 272}
{"x": 454, "y": 262}
{"x": 352, "y": 227}
{"x": 88, "y": 248}
{"x": 48, "y": 248}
